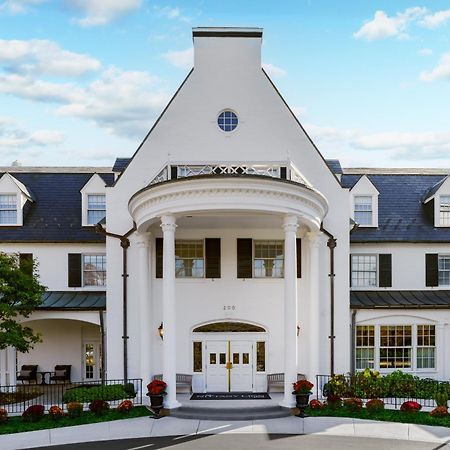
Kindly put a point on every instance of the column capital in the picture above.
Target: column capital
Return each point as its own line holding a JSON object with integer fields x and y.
{"x": 290, "y": 223}
{"x": 168, "y": 223}
{"x": 314, "y": 238}
{"x": 143, "y": 239}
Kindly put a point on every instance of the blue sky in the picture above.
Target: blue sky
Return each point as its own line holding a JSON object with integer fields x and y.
{"x": 81, "y": 81}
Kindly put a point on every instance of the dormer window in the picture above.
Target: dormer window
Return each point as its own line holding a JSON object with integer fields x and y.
{"x": 363, "y": 211}
{"x": 96, "y": 208}
{"x": 8, "y": 209}
{"x": 444, "y": 210}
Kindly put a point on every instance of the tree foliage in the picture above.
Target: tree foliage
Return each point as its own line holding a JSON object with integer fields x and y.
{"x": 20, "y": 294}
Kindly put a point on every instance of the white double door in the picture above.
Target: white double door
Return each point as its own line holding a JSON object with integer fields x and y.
{"x": 229, "y": 366}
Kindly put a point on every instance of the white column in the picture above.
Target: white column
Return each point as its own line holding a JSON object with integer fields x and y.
{"x": 290, "y": 226}
{"x": 314, "y": 306}
{"x": 145, "y": 326}
{"x": 168, "y": 226}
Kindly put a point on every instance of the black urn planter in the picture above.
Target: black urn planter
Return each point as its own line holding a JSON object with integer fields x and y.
{"x": 301, "y": 402}
{"x": 156, "y": 404}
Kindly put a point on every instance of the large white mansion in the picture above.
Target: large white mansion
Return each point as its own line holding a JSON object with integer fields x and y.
{"x": 229, "y": 248}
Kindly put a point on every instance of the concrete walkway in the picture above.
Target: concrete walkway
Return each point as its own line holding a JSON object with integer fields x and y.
{"x": 169, "y": 426}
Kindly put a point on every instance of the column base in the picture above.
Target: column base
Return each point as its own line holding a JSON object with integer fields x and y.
{"x": 287, "y": 403}
{"x": 172, "y": 404}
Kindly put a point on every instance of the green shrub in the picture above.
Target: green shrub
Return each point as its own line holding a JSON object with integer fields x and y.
{"x": 441, "y": 398}
{"x": 86, "y": 394}
{"x": 74, "y": 409}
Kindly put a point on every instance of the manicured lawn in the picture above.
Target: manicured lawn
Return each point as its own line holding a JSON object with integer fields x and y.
{"x": 387, "y": 415}
{"x": 16, "y": 424}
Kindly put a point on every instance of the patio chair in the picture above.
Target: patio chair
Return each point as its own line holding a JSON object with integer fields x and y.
{"x": 61, "y": 373}
{"x": 183, "y": 380}
{"x": 277, "y": 380}
{"x": 28, "y": 373}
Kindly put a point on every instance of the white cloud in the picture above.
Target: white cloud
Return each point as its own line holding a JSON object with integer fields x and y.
{"x": 18, "y": 6}
{"x": 299, "y": 111}
{"x": 273, "y": 70}
{"x": 383, "y": 26}
{"x": 441, "y": 71}
{"x": 14, "y": 137}
{"x": 124, "y": 102}
{"x": 102, "y": 12}
{"x": 330, "y": 134}
{"x": 38, "y": 90}
{"x": 425, "y": 52}
{"x": 44, "y": 57}
{"x": 436, "y": 19}
{"x": 183, "y": 59}
{"x": 171, "y": 13}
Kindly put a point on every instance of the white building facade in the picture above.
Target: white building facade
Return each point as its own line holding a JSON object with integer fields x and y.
{"x": 224, "y": 249}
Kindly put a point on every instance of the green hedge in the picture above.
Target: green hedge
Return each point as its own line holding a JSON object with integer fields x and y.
{"x": 370, "y": 384}
{"x": 87, "y": 394}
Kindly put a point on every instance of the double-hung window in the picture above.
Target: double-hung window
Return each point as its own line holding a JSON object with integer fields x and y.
{"x": 444, "y": 210}
{"x": 269, "y": 259}
{"x": 8, "y": 209}
{"x": 396, "y": 347}
{"x": 444, "y": 270}
{"x": 96, "y": 208}
{"x": 426, "y": 346}
{"x": 365, "y": 347}
{"x": 364, "y": 270}
{"x": 189, "y": 258}
{"x": 363, "y": 212}
{"x": 94, "y": 270}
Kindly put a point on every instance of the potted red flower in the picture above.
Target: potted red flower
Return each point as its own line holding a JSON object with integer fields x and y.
{"x": 156, "y": 391}
{"x": 302, "y": 391}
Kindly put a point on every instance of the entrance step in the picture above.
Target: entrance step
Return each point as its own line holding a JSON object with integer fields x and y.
{"x": 218, "y": 413}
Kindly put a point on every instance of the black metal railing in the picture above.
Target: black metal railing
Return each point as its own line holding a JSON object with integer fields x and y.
{"x": 17, "y": 398}
{"x": 348, "y": 386}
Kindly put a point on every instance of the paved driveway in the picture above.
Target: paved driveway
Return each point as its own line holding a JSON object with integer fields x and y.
{"x": 255, "y": 441}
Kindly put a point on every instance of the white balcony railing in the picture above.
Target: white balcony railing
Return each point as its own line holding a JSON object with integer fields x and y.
{"x": 286, "y": 172}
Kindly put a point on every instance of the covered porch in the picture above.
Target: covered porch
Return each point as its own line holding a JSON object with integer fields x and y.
{"x": 230, "y": 206}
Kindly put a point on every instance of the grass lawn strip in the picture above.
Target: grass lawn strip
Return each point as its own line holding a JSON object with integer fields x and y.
{"x": 386, "y": 415}
{"x": 17, "y": 425}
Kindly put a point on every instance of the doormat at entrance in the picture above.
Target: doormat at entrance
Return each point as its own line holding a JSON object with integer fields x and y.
{"x": 231, "y": 396}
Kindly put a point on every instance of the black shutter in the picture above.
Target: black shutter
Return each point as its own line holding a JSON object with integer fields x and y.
{"x": 283, "y": 173}
{"x": 350, "y": 271}
{"x": 26, "y": 263}
{"x": 385, "y": 271}
{"x": 212, "y": 258}
{"x": 74, "y": 270}
{"x": 159, "y": 257}
{"x": 244, "y": 258}
{"x": 431, "y": 269}
{"x": 299, "y": 258}
{"x": 173, "y": 172}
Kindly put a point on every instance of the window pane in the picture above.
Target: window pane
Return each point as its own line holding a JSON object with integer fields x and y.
{"x": 425, "y": 358}
{"x": 395, "y": 346}
{"x": 363, "y": 210}
{"x": 94, "y": 270}
{"x": 364, "y": 270}
{"x": 235, "y": 358}
{"x": 426, "y": 339}
{"x": 8, "y": 209}
{"x": 260, "y": 356}
{"x": 96, "y": 210}
{"x": 245, "y": 358}
{"x": 269, "y": 259}
{"x": 189, "y": 259}
{"x": 365, "y": 358}
{"x": 222, "y": 358}
{"x": 212, "y": 358}
{"x": 444, "y": 210}
{"x": 365, "y": 347}
{"x": 198, "y": 363}
{"x": 444, "y": 270}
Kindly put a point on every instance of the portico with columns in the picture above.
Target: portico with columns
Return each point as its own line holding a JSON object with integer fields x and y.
{"x": 228, "y": 261}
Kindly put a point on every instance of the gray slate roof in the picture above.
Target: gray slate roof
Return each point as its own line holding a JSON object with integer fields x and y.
{"x": 402, "y": 217}
{"x": 399, "y": 299}
{"x": 55, "y": 214}
{"x": 74, "y": 300}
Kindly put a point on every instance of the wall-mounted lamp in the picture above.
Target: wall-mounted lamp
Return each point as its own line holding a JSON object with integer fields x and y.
{"x": 161, "y": 331}
{"x": 298, "y": 330}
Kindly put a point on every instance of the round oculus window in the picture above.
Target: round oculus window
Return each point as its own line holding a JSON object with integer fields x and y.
{"x": 227, "y": 120}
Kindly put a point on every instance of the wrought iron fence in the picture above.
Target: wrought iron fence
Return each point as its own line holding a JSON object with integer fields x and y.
{"x": 17, "y": 398}
{"x": 353, "y": 389}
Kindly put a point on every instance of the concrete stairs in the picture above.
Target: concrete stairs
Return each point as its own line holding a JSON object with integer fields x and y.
{"x": 235, "y": 413}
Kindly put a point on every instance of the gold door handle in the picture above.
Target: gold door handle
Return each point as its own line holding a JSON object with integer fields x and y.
{"x": 229, "y": 365}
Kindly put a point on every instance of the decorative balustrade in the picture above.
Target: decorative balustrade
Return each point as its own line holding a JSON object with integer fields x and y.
{"x": 286, "y": 172}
